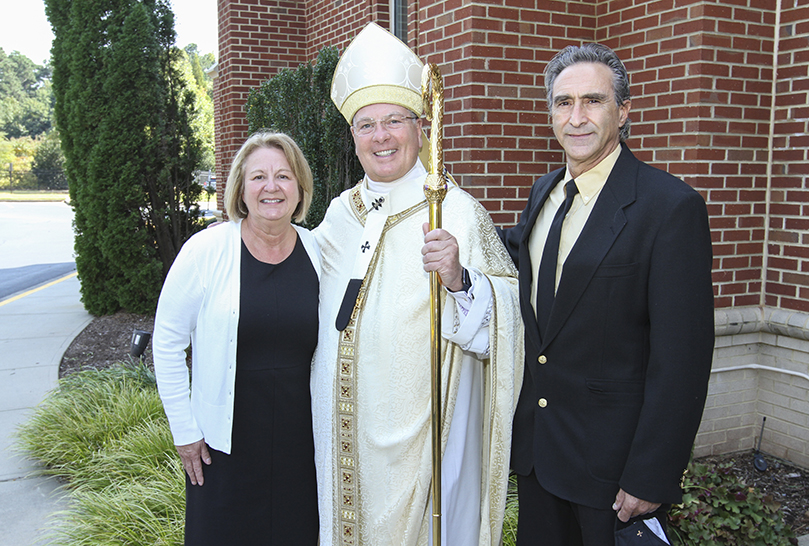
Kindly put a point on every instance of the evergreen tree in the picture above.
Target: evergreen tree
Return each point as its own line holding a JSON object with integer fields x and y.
{"x": 202, "y": 119}
{"x": 130, "y": 152}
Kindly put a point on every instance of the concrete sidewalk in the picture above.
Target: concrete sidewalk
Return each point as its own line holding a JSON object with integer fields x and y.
{"x": 36, "y": 327}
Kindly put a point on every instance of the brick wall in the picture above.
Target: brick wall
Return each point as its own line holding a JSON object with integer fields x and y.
{"x": 702, "y": 82}
{"x": 257, "y": 39}
{"x": 761, "y": 363}
{"x": 336, "y": 23}
{"x": 761, "y": 369}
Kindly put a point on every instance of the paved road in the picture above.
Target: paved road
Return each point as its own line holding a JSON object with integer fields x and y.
{"x": 40, "y": 314}
{"x": 36, "y": 245}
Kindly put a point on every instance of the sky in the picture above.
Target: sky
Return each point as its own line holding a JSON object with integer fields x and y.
{"x": 26, "y": 28}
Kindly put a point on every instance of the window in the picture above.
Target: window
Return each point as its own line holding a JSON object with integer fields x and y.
{"x": 398, "y": 20}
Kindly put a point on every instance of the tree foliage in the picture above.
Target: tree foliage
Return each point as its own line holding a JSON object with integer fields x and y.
{"x": 191, "y": 69}
{"x": 123, "y": 113}
{"x": 16, "y": 155}
{"x": 48, "y": 164}
{"x": 298, "y": 103}
{"x": 200, "y": 63}
{"x": 26, "y": 99}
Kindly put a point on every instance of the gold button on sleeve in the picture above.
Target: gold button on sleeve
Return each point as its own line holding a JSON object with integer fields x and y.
{"x": 542, "y": 402}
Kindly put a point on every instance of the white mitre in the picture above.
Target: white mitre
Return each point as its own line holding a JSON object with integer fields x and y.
{"x": 377, "y": 68}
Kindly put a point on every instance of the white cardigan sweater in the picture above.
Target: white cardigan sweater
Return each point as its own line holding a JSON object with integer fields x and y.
{"x": 200, "y": 303}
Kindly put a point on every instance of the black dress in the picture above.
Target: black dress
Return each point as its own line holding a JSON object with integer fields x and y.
{"x": 265, "y": 492}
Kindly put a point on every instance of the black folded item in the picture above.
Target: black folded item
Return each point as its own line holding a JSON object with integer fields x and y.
{"x": 637, "y": 534}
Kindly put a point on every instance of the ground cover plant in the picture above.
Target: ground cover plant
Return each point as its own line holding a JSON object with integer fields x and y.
{"x": 718, "y": 509}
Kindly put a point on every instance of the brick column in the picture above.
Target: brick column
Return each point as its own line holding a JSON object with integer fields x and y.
{"x": 787, "y": 281}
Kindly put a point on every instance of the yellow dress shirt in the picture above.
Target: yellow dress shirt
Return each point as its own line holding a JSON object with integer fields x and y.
{"x": 590, "y": 185}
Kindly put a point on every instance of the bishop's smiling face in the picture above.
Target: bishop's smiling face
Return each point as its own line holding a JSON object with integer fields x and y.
{"x": 271, "y": 191}
{"x": 387, "y": 155}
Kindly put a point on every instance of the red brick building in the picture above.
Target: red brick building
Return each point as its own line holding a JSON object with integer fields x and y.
{"x": 720, "y": 98}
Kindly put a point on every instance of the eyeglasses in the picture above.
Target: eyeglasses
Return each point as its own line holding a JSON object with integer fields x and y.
{"x": 365, "y": 127}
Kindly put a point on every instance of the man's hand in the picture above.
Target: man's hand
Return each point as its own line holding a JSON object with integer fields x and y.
{"x": 191, "y": 455}
{"x": 440, "y": 253}
{"x": 628, "y": 506}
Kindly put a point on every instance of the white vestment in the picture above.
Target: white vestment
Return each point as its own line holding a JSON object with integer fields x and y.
{"x": 371, "y": 381}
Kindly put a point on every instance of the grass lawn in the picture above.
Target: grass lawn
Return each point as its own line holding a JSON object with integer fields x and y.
{"x": 31, "y": 195}
{"x": 58, "y": 196}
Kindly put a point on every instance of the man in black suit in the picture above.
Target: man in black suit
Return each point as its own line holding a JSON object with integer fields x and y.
{"x": 616, "y": 296}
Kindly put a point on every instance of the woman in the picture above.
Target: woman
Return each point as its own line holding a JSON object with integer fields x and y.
{"x": 245, "y": 294}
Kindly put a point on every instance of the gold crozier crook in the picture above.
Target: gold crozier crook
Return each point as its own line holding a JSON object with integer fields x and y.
{"x": 435, "y": 188}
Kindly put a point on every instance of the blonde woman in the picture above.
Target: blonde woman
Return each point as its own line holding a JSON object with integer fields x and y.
{"x": 245, "y": 295}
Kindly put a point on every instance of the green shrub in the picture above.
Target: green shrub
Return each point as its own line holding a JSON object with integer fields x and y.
{"x": 718, "y": 509}
{"x": 124, "y": 114}
{"x": 132, "y": 514}
{"x": 88, "y": 412}
{"x": 298, "y": 103}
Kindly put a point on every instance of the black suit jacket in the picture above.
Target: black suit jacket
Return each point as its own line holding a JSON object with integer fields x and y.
{"x": 623, "y": 367}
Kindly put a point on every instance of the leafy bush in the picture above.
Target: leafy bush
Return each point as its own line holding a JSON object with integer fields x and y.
{"x": 105, "y": 433}
{"x": 718, "y": 510}
{"x": 298, "y": 103}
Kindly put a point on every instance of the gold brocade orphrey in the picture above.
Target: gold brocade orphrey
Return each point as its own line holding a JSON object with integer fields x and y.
{"x": 348, "y": 489}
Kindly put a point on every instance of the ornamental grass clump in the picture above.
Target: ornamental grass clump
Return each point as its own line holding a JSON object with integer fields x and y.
{"x": 87, "y": 412}
{"x": 718, "y": 510}
{"x": 104, "y": 432}
{"x": 512, "y": 513}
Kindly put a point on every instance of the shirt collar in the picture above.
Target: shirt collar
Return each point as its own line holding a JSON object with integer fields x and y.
{"x": 399, "y": 194}
{"x": 591, "y": 182}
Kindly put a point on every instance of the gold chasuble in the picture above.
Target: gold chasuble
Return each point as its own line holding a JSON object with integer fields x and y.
{"x": 371, "y": 381}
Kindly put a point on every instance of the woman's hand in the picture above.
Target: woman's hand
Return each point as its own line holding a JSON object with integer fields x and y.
{"x": 191, "y": 455}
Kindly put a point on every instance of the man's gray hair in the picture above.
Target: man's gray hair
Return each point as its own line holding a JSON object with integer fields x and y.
{"x": 590, "y": 53}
